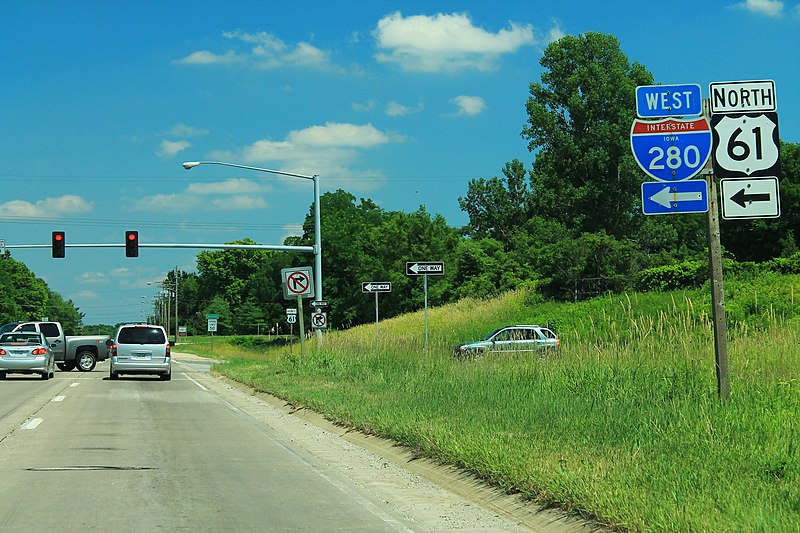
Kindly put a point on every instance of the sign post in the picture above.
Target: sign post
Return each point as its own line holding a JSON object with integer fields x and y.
{"x": 302, "y": 327}
{"x": 376, "y": 287}
{"x": 746, "y": 146}
{"x": 212, "y": 327}
{"x": 423, "y": 268}
{"x": 297, "y": 283}
{"x": 717, "y": 293}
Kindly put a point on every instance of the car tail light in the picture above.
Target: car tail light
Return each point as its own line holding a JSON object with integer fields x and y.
{"x": 558, "y": 343}
{"x": 168, "y": 350}
{"x": 39, "y": 351}
{"x": 114, "y": 350}
{"x": 3, "y": 352}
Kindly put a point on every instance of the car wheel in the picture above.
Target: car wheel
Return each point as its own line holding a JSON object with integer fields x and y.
{"x": 45, "y": 375}
{"x": 166, "y": 377}
{"x": 113, "y": 375}
{"x": 66, "y": 367}
{"x": 2, "y": 375}
{"x": 86, "y": 361}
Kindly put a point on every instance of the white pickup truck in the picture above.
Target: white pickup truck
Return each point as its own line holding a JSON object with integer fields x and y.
{"x": 81, "y": 352}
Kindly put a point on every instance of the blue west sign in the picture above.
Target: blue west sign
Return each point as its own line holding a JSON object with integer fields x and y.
{"x": 671, "y": 149}
{"x": 656, "y": 101}
{"x": 659, "y": 198}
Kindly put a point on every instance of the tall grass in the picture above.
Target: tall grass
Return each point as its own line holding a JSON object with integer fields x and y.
{"x": 622, "y": 424}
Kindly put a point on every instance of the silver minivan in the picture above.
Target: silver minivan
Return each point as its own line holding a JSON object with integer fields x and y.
{"x": 141, "y": 349}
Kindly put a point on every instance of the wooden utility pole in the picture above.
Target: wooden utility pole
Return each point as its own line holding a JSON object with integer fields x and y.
{"x": 717, "y": 290}
{"x": 717, "y": 286}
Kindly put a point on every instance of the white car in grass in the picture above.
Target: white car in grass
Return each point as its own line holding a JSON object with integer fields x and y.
{"x": 521, "y": 338}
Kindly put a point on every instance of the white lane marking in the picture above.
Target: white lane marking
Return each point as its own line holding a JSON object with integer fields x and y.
{"x": 74, "y": 385}
{"x": 226, "y": 404}
{"x": 58, "y": 398}
{"x": 32, "y": 423}
{"x": 193, "y": 381}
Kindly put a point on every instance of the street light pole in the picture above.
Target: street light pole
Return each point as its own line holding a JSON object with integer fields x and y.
{"x": 188, "y": 165}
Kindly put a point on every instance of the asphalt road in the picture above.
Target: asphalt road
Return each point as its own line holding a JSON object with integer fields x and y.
{"x": 81, "y": 452}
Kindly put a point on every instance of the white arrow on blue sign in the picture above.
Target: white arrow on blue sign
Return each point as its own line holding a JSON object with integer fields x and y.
{"x": 659, "y": 198}
{"x": 656, "y": 101}
{"x": 671, "y": 149}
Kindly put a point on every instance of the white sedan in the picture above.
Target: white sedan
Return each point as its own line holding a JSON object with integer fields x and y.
{"x": 26, "y": 352}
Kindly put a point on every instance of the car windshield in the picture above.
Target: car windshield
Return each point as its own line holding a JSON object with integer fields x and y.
{"x": 17, "y": 338}
{"x": 141, "y": 335}
{"x": 490, "y": 335}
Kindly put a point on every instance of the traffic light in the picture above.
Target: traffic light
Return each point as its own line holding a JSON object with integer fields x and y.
{"x": 58, "y": 244}
{"x": 131, "y": 244}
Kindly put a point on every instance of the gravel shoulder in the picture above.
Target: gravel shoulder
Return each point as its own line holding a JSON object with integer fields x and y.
{"x": 439, "y": 498}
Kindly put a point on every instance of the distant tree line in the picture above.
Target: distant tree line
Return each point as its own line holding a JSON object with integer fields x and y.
{"x": 25, "y": 297}
{"x": 570, "y": 224}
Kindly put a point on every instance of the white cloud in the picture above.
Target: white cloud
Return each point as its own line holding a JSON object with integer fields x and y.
{"x": 184, "y": 130}
{"x": 266, "y": 51}
{"x": 396, "y": 109}
{"x": 469, "y": 105}
{"x": 769, "y": 8}
{"x": 49, "y": 207}
{"x": 445, "y": 42}
{"x": 229, "y": 195}
{"x": 231, "y": 186}
{"x": 341, "y": 135}
{"x": 364, "y": 107}
{"x": 555, "y": 32}
{"x": 83, "y": 295}
{"x": 332, "y": 150}
{"x": 204, "y": 57}
{"x": 172, "y": 148}
{"x": 93, "y": 278}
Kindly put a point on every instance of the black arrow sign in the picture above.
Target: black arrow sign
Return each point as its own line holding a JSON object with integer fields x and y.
{"x": 743, "y": 199}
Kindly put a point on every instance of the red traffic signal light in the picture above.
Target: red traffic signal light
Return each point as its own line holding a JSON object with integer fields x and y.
{"x": 58, "y": 244}
{"x": 131, "y": 244}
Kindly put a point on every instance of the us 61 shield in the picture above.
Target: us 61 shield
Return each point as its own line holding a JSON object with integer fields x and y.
{"x": 746, "y": 145}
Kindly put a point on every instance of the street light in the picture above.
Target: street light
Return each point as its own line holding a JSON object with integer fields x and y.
{"x": 188, "y": 165}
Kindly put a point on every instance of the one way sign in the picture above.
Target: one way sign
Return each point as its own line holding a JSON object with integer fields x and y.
{"x": 376, "y": 286}
{"x": 421, "y": 268}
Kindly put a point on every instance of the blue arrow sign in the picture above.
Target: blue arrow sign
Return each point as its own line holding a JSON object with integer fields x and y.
{"x": 656, "y": 101}
{"x": 659, "y": 198}
{"x": 671, "y": 149}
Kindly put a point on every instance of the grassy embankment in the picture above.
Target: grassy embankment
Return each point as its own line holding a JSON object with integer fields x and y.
{"x": 624, "y": 424}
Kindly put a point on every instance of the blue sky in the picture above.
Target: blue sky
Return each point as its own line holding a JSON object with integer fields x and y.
{"x": 401, "y": 102}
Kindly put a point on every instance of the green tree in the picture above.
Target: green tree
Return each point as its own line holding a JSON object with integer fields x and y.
{"x": 497, "y": 206}
{"x": 484, "y": 269}
{"x": 29, "y": 294}
{"x": 590, "y": 265}
{"x": 579, "y": 120}
{"x": 219, "y": 306}
{"x": 249, "y": 317}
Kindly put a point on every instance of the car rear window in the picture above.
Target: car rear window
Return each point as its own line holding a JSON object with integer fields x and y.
{"x": 141, "y": 335}
{"x": 20, "y": 337}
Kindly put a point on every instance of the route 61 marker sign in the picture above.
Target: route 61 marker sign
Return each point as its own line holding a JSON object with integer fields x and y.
{"x": 746, "y": 145}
